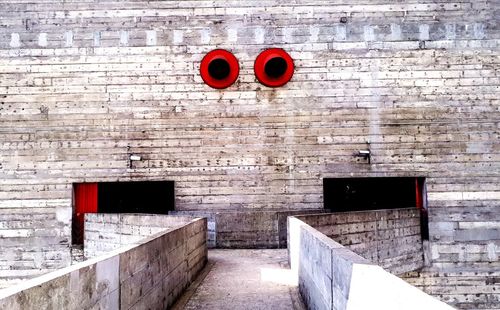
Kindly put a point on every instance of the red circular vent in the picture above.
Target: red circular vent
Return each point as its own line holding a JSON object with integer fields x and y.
{"x": 274, "y": 67}
{"x": 219, "y": 69}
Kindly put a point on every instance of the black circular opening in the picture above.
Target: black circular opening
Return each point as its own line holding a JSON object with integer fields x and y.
{"x": 219, "y": 69}
{"x": 276, "y": 67}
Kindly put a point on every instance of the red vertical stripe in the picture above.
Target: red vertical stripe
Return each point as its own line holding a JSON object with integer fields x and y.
{"x": 418, "y": 189}
{"x": 85, "y": 202}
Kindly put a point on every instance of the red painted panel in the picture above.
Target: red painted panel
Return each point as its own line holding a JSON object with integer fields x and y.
{"x": 85, "y": 202}
{"x": 419, "y": 193}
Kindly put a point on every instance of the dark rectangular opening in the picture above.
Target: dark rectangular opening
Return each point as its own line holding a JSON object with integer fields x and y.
{"x": 356, "y": 194}
{"x": 153, "y": 197}
{"x": 377, "y": 193}
{"x": 136, "y": 197}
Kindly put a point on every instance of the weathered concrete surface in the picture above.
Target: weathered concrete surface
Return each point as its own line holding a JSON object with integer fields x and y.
{"x": 84, "y": 84}
{"x": 150, "y": 274}
{"x": 332, "y": 277}
{"x": 105, "y": 232}
{"x": 246, "y": 229}
{"x": 246, "y": 279}
{"x": 389, "y": 238}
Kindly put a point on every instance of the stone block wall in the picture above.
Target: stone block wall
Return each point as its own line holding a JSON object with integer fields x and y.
{"x": 389, "y": 238}
{"x": 149, "y": 274}
{"x": 85, "y": 84}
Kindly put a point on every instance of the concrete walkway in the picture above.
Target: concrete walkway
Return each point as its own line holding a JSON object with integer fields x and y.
{"x": 243, "y": 279}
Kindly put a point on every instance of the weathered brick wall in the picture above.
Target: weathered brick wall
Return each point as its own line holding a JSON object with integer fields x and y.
{"x": 388, "y": 238}
{"x": 83, "y": 84}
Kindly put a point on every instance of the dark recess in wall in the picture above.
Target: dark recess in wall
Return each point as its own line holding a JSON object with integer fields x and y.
{"x": 356, "y": 194}
{"x": 359, "y": 194}
{"x": 153, "y": 197}
{"x": 156, "y": 197}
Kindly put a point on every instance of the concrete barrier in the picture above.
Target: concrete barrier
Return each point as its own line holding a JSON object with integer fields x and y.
{"x": 246, "y": 229}
{"x": 148, "y": 274}
{"x": 105, "y": 232}
{"x": 331, "y": 276}
{"x": 390, "y": 238}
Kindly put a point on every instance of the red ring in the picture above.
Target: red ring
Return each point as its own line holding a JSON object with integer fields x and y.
{"x": 260, "y": 64}
{"x": 234, "y": 69}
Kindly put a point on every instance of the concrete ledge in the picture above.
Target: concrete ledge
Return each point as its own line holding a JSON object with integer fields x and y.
{"x": 150, "y": 274}
{"x": 331, "y": 276}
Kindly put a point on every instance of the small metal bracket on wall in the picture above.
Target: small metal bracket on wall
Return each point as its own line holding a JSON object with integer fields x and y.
{"x": 132, "y": 157}
{"x": 366, "y": 154}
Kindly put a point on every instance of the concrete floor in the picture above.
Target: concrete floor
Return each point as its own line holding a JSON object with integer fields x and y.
{"x": 243, "y": 279}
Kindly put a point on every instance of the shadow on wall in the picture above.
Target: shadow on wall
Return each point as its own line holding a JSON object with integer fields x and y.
{"x": 331, "y": 276}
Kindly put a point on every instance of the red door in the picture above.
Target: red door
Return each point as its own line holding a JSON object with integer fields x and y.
{"x": 85, "y": 202}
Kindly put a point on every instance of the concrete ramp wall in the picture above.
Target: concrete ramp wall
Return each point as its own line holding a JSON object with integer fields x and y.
{"x": 105, "y": 232}
{"x": 149, "y": 274}
{"x": 331, "y": 276}
{"x": 390, "y": 238}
